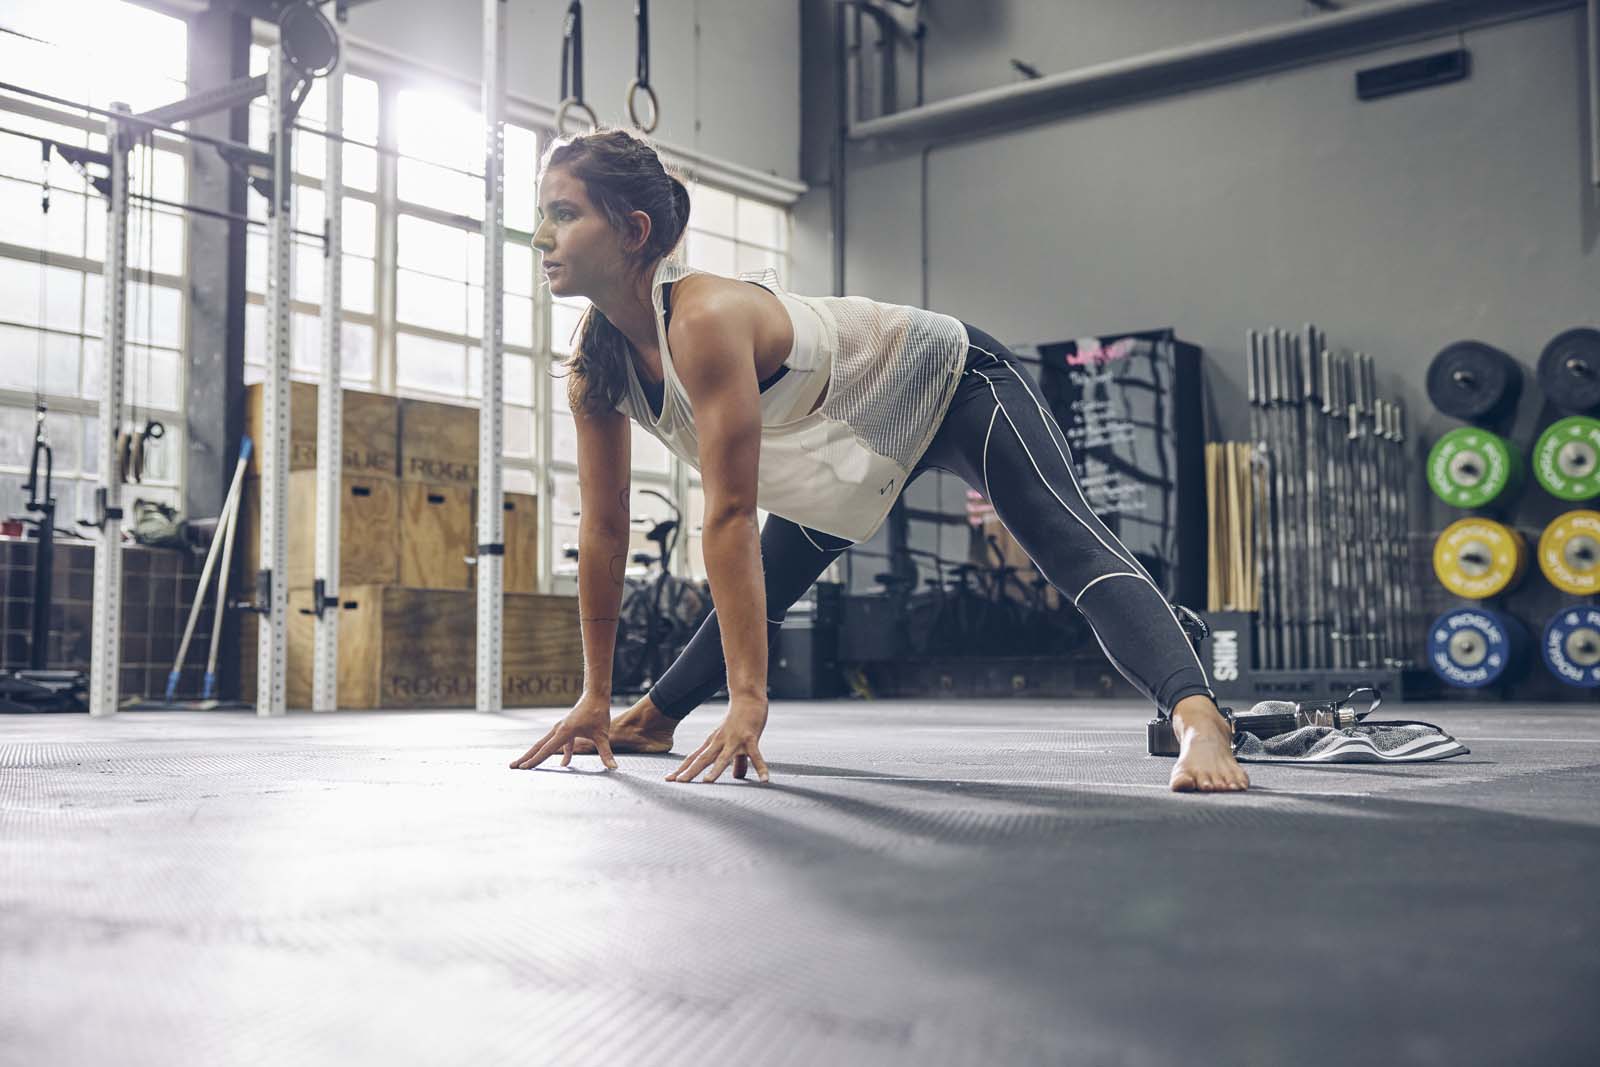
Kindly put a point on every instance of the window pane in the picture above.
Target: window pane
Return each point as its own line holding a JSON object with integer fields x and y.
{"x": 355, "y": 353}
{"x": 519, "y": 268}
{"x": 356, "y": 287}
{"x": 522, "y": 163}
{"x": 711, "y": 210}
{"x": 558, "y": 389}
{"x": 431, "y": 302}
{"x": 140, "y": 55}
{"x": 360, "y": 167}
{"x": 308, "y": 207}
{"x": 310, "y": 151}
{"x": 90, "y": 445}
{"x": 518, "y": 316}
{"x": 61, "y": 230}
{"x": 760, "y": 223}
{"x": 20, "y": 368}
{"x": 160, "y": 174}
{"x": 255, "y": 334}
{"x": 255, "y": 263}
{"x": 16, "y": 442}
{"x": 518, "y": 480}
{"x": 563, "y": 438}
{"x": 93, "y": 356}
{"x": 360, "y": 108}
{"x": 518, "y": 431}
{"x": 61, "y": 361}
{"x": 155, "y": 242}
{"x": 155, "y": 315}
{"x": 475, "y": 311}
{"x": 438, "y": 250}
{"x": 435, "y": 366}
{"x": 307, "y": 272}
{"x": 565, "y": 500}
{"x": 518, "y": 371}
{"x": 714, "y": 254}
{"x": 152, "y": 379}
{"x": 40, "y": 296}
{"x": 305, "y": 343}
{"x": 94, "y": 306}
{"x": 440, "y": 129}
{"x": 564, "y": 321}
{"x": 20, "y": 363}
{"x": 359, "y": 227}
{"x": 94, "y": 241}
{"x": 423, "y": 183}
{"x": 65, "y": 437}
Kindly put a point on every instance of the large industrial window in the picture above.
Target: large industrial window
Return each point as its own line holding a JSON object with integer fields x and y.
{"x": 51, "y": 291}
{"x": 359, "y": 283}
{"x": 439, "y": 265}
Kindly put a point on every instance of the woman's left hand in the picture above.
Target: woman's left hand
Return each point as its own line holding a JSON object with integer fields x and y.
{"x": 732, "y": 742}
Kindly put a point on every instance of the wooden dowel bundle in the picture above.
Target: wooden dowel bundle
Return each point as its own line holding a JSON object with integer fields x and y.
{"x": 1230, "y": 533}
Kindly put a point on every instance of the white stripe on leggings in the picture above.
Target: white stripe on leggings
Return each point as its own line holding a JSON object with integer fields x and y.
{"x": 1103, "y": 577}
{"x": 1044, "y": 417}
{"x": 987, "y": 495}
{"x": 1068, "y": 508}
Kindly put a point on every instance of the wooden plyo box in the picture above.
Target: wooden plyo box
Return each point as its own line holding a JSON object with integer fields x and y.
{"x": 438, "y": 443}
{"x": 436, "y": 536}
{"x": 521, "y": 534}
{"x": 371, "y": 433}
{"x": 369, "y": 539}
{"x": 417, "y": 648}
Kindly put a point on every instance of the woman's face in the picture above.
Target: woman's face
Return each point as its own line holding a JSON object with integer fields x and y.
{"x": 581, "y": 253}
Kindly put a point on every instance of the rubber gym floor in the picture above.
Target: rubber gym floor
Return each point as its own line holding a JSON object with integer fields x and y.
{"x": 1004, "y": 882}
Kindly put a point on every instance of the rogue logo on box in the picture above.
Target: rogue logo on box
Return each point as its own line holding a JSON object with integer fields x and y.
{"x": 1225, "y": 655}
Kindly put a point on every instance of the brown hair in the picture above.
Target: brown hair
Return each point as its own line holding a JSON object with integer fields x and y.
{"x": 621, "y": 174}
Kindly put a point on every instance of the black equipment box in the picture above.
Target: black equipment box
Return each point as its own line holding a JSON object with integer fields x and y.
{"x": 1130, "y": 406}
{"x": 804, "y": 664}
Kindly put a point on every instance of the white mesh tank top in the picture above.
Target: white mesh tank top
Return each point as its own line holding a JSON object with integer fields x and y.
{"x": 891, "y": 371}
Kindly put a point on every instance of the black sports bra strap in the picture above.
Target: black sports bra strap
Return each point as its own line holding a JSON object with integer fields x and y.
{"x": 666, "y": 320}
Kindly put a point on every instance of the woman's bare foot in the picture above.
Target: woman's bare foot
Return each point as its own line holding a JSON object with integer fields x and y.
{"x": 642, "y": 728}
{"x": 1205, "y": 757}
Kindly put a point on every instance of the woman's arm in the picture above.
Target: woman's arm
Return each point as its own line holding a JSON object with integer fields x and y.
{"x": 604, "y": 465}
{"x": 713, "y": 345}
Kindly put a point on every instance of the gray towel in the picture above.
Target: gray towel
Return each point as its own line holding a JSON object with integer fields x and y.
{"x": 1372, "y": 742}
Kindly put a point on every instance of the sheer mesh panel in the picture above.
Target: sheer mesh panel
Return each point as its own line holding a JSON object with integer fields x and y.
{"x": 892, "y": 377}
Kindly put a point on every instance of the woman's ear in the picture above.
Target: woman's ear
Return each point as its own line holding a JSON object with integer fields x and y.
{"x": 639, "y": 227}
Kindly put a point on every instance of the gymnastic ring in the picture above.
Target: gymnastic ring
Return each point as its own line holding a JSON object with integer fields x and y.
{"x": 572, "y": 103}
{"x": 655, "y": 106}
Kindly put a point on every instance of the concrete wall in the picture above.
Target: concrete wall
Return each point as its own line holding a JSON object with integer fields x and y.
{"x": 1396, "y": 225}
{"x": 727, "y": 72}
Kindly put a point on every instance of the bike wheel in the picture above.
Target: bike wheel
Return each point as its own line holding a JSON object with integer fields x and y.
{"x": 632, "y": 656}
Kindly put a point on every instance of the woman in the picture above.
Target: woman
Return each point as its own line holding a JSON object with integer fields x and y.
{"x": 820, "y": 410}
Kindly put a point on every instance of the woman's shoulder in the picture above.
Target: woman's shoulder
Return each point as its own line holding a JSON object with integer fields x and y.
{"x": 702, "y": 301}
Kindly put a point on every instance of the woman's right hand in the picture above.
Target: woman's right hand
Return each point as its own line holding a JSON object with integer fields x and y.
{"x": 590, "y": 717}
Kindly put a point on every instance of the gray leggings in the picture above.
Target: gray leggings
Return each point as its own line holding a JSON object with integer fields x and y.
{"x": 1001, "y": 439}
